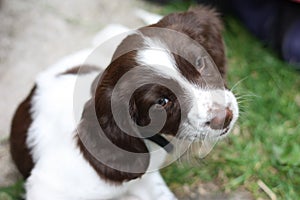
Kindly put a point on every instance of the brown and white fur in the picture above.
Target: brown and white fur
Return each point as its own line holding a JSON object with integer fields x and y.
{"x": 46, "y": 141}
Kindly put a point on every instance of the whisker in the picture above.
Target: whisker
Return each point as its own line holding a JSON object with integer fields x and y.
{"x": 247, "y": 96}
{"x": 181, "y": 144}
{"x": 237, "y": 83}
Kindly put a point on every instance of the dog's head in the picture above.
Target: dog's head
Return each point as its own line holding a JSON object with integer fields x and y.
{"x": 166, "y": 78}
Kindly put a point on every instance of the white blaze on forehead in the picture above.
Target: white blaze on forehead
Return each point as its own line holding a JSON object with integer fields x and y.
{"x": 163, "y": 64}
{"x": 156, "y": 54}
{"x": 159, "y": 58}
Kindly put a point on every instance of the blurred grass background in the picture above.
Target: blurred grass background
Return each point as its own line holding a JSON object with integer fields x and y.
{"x": 265, "y": 145}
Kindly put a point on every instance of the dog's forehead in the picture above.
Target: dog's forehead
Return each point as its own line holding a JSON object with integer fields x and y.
{"x": 185, "y": 63}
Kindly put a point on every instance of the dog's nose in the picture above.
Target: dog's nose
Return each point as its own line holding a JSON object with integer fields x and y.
{"x": 221, "y": 119}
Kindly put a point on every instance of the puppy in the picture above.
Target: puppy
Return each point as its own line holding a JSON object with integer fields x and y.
{"x": 88, "y": 133}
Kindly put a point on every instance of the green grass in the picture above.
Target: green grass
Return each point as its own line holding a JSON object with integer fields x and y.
{"x": 265, "y": 145}
{"x": 13, "y": 192}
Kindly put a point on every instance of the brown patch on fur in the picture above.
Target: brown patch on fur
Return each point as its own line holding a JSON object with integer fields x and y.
{"x": 81, "y": 69}
{"x": 110, "y": 139}
{"x": 108, "y": 133}
{"x": 19, "y": 129}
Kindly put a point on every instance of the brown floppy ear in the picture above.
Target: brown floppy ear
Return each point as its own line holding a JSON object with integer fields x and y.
{"x": 115, "y": 155}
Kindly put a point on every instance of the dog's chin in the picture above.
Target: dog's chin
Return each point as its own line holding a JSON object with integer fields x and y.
{"x": 205, "y": 144}
{"x": 219, "y": 135}
{"x": 224, "y": 133}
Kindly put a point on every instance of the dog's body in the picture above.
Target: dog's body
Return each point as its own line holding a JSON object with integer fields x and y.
{"x": 60, "y": 171}
{"x": 48, "y": 143}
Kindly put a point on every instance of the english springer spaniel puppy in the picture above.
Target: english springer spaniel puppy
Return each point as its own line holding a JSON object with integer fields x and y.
{"x": 87, "y": 133}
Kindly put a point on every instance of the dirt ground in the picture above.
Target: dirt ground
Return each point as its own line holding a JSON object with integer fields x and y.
{"x": 36, "y": 33}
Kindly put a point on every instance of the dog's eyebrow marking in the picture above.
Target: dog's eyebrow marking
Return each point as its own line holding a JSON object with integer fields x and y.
{"x": 155, "y": 53}
{"x": 160, "y": 61}
{"x": 156, "y": 56}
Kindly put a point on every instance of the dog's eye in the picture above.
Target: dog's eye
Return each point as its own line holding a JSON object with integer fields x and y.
{"x": 200, "y": 64}
{"x": 163, "y": 101}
